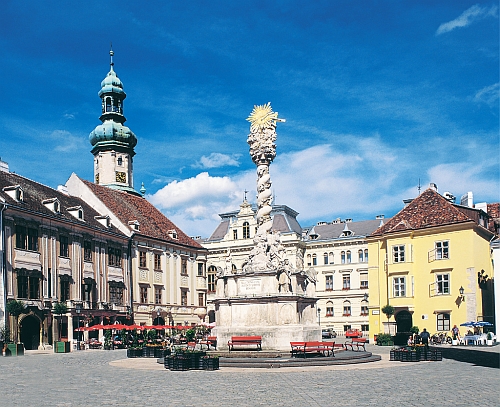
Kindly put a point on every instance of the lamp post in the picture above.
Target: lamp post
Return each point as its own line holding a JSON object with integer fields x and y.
{"x": 461, "y": 290}
{"x": 319, "y": 316}
{"x": 78, "y": 308}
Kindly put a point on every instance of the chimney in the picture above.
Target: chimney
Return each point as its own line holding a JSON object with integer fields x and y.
{"x": 380, "y": 217}
{"x": 433, "y": 186}
{"x": 4, "y": 167}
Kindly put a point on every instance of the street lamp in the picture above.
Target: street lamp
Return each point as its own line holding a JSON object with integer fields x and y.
{"x": 319, "y": 316}
{"x": 78, "y": 308}
{"x": 461, "y": 291}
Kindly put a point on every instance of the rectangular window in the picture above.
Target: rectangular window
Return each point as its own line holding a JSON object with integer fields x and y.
{"x": 142, "y": 259}
{"x": 63, "y": 246}
{"x": 329, "y": 283}
{"x": 87, "y": 292}
{"x": 398, "y": 254}
{"x": 211, "y": 282}
{"x": 347, "y": 328}
{"x": 347, "y": 311}
{"x": 143, "y": 291}
{"x": 442, "y": 250}
{"x": 329, "y": 311}
{"x": 184, "y": 298}
{"x": 364, "y": 310}
{"x": 87, "y": 251}
{"x": 399, "y": 287}
{"x": 235, "y": 234}
{"x": 365, "y": 328}
{"x": 157, "y": 262}
{"x": 443, "y": 322}
{"x": 115, "y": 294}
{"x": 34, "y": 288}
{"x": 21, "y": 235}
{"x": 201, "y": 269}
{"x": 442, "y": 283}
{"x": 22, "y": 286}
{"x": 184, "y": 266}
{"x": 32, "y": 239}
{"x": 64, "y": 285}
{"x": 158, "y": 290}
{"x": 363, "y": 280}
{"x": 114, "y": 257}
{"x": 346, "y": 282}
{"x": 201, "y": 299}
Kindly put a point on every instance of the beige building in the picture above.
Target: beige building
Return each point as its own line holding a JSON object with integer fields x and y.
{"x": 338, "y": 252}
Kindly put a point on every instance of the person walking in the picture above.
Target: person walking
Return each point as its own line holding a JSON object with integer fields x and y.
{"x": 425, "y": 336}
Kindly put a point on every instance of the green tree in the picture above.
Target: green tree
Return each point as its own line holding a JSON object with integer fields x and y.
{"x": 388, "y": 310}
{"x": 15, "y": 308}
{"x": 60, "y": 308}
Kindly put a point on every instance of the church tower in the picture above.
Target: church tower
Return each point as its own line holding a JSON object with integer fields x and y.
{"x": 113, "y": 143}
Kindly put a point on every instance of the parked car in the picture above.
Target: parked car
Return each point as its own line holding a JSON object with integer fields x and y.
{"x": 353, "y": 333}
{"x": 328, "y": 333}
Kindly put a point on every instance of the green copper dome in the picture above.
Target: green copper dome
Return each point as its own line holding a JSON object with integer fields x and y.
{"x": 113, "y": 131}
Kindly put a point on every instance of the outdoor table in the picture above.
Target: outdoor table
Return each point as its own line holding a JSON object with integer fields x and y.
{"x": 472, "y": 338}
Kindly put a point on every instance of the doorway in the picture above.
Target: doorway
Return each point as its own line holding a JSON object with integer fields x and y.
{"x": 30, "y": 332}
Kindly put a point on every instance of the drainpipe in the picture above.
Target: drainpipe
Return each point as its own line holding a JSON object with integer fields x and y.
{"x": 3, "y": 273}
{"x": 131, "y": 280}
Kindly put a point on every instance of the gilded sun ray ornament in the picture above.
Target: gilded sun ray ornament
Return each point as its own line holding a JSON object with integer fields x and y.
{"x": 262, "y": 117}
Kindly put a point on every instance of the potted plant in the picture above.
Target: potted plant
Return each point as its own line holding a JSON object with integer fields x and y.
{"x": 15, "y": 308}
{"x": 59, "y": 309}
{"x": 384, "y": 340}
{"x": 388, "y": 310}
{"x": 107, "y": 339}
{"x": 489, "y": 339}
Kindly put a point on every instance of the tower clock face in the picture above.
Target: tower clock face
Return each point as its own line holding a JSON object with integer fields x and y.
{"x": 121, "y": 177}
{"x": 97, "y": 178}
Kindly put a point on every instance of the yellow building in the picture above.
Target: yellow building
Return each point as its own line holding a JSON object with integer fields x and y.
{"x": 429, "y": 262}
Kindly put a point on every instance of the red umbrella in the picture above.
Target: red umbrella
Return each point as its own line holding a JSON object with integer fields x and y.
{"x": 135, "y": 326}
{"x": 80, "y": 329}
{"x": 95, "y": 327}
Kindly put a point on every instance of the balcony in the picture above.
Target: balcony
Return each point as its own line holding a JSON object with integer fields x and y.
{"x": 27, "y": 259}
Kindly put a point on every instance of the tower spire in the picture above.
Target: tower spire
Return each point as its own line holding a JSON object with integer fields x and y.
{"x": 111, "y": 53}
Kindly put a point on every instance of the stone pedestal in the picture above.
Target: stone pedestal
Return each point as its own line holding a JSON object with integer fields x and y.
{"x": 251, "y": 304}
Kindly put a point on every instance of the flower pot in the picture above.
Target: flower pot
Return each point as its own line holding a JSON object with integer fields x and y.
{"x": 454, "y": 342}
{"x": 62, "y": 347}
{"x": 14, "y": 349}
{"x": 489, "y": 342}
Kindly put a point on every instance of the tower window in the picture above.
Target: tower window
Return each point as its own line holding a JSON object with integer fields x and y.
{"x": 120, "y": 161}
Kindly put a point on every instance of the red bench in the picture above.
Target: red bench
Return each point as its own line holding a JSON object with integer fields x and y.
{"x": 245, "y": 341}
{"x": 209, "y": 340}
{"x": 323, "y": 348}
{"x": 358, "y": 342}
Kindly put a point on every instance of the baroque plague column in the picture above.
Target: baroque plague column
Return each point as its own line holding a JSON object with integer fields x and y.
{"x": 270, "y": 296}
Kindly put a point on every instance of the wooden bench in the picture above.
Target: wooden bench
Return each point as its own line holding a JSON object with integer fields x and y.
{"x": 358, "y": 342}
{"x": 245, "y": 341}
{"x": 302, "y": 348}
{"x": 209, "y": 340}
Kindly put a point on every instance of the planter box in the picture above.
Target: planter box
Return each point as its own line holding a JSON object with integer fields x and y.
{"x": 210, "y": 363}
{"x": 62, "y": 347}
{"x": 134, "y": 353}
{"x": 15, "y": 349}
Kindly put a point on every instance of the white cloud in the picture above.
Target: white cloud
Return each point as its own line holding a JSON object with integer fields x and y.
{"x": 357, "y": 177}
{"x": 65, "y": 142}
{"x": 469, "y": 16}
{"x": 488, "y": 94}
{"x": 216, "y": 160}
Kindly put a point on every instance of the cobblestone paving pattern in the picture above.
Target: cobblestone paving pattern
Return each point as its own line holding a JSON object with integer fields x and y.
{"x": 106, "y": 378}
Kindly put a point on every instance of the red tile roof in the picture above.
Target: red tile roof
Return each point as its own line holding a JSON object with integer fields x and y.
{"x": 427, "y": 210}
{"x": 128, "y": 207}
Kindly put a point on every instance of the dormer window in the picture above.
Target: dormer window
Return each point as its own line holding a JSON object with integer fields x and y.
{"x": 103, "y": 220}
{"x": 172, "y": 233}
{"x": 53, "y": 205}
{"x": 77, "y": 212}
{"x": 15, "y": 192}
{"x": 120, "y": 161}
{"x": 134, "y": 225}
{"x": 346, "y": 233}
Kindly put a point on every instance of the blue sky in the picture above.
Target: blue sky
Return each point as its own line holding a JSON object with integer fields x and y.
{"x": 376, "y": 95}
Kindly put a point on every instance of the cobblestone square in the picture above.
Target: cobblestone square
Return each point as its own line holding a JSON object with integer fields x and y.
{"x": 107, "y": 378}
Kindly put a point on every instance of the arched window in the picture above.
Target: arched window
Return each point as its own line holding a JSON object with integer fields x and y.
{"x": 329, "y": 309}
{"x": 315, "y": 260}
{"x": 325, "y": 258}
{"x": 348, "y": 256}
{"x": 233, "y": 268}
{"x": 347, "y": 309}
{"x": 366, "y": 255}
{"x": 360, "y": 256}
{"x": 212, "y": 271}
{"x": 330, "y": 256}
{"x": 342, "y": 257}
{"x": 308, "y": 259}
{"x": 246, "y": 230}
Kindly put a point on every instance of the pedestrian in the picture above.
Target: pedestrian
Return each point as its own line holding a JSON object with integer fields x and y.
{"x": 424, "y": 335}
{"x": 455, "y": 333}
